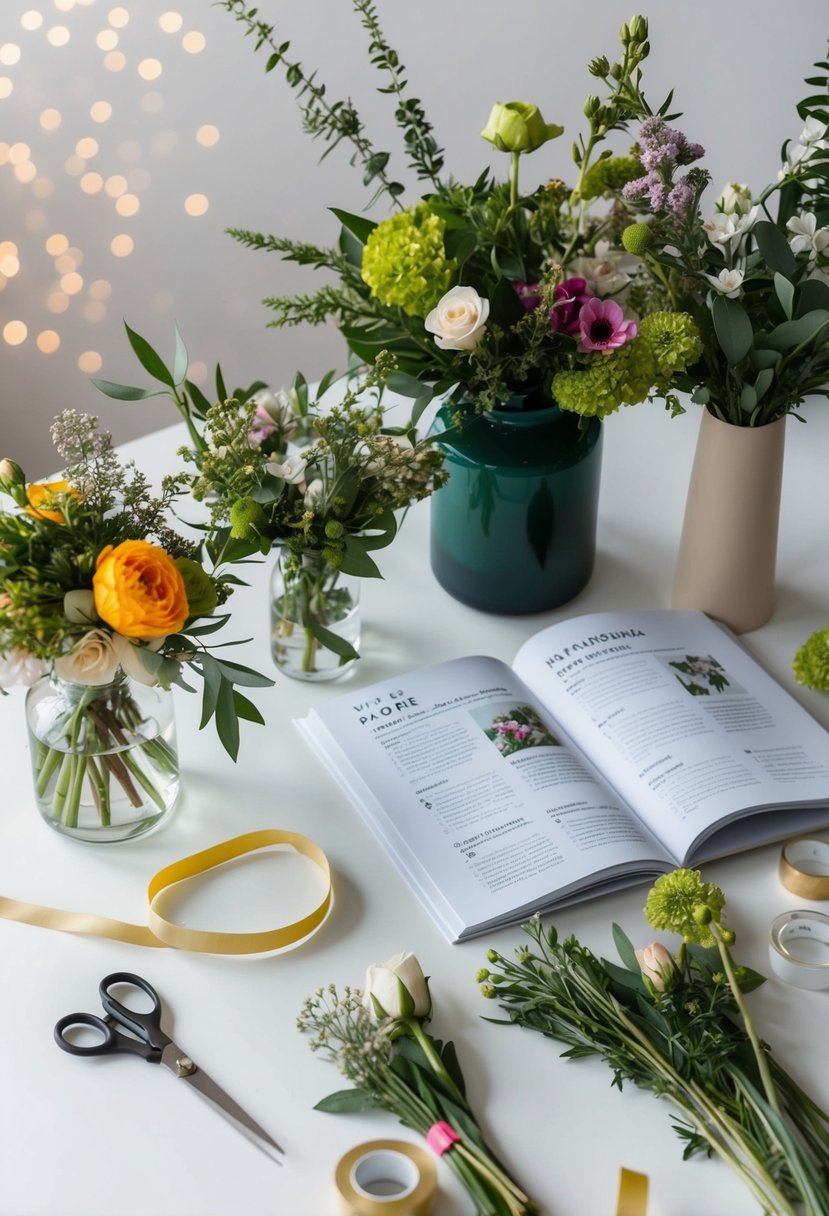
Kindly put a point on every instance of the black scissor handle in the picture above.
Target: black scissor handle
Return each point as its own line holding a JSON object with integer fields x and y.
{"x": 110, "y": 1040}
{"x": 146, "y": 1026}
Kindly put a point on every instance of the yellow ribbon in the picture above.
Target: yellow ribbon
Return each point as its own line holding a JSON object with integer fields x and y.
{"x": 160, "y": 931}
{"x": 633, "y": 1194}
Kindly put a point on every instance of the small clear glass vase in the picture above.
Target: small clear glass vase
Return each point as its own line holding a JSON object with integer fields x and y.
{"x": 104, "y": 758}
{"x": 315, "y": 617}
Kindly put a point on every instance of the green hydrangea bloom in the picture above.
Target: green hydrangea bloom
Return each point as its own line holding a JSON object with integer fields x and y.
{"x": 675, "y": 901}
{"x": 404, "y": 261}
{"x": 674, "y": 340}
{"x": 609, "y": 175}
{"x": 811, "y": 663}
{"x": 623, "y": 378}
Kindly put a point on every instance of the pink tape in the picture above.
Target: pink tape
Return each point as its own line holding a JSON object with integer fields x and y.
{"x": 440, "y": 1138}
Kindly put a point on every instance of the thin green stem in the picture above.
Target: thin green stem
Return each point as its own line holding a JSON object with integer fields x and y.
{"x": 748, "y": 1022}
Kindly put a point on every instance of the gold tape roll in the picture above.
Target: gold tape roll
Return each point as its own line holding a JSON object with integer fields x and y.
{"x": 407, "y": 1168}
{"x": 160, "y": 931}
{"x": 633, "y": 1194}
{"x": 804, "y": 867}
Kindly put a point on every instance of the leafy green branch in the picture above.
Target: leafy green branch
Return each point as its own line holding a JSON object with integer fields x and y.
{"x": 333, "y": 122}
{"x": 427, "y": 156}
{"x": 291, "y": 251}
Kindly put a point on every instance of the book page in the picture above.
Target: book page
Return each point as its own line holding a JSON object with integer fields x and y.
{"x": 460, "y": 773}
{"x": 681, "y": 720}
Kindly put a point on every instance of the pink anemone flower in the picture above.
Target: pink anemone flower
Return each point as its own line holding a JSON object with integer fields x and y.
{"x": 603, "y": 327}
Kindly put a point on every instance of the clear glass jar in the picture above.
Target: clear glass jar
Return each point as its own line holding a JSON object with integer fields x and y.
{"x": 104, "y": 758}
{"x": 315, "y": 617}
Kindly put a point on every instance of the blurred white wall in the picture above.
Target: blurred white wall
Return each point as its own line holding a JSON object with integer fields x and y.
{"x": 188, "y": 111}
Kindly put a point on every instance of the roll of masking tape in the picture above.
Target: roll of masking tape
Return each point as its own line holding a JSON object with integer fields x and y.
{"x": 799, "y": 949}
{"x": 386, "y": 1178}
{"x": 804, "y": 867}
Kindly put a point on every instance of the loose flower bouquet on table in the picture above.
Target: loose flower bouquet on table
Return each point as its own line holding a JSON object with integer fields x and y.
{"x": 378, "y": 1041}
{"x": 320, "y": 484}
{"x": 753, "y": 273}
{"x": 96, "y": 587}
{"x": 678, "y": 1025}
{"x": 490, "y": 292}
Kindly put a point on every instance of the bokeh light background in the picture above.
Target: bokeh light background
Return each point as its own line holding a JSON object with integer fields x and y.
{"x": 132, "y": 134}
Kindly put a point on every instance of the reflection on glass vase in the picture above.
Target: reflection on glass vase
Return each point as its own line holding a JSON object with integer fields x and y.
{"x": 315, "y": 617}
{"x": 104, "y": 758}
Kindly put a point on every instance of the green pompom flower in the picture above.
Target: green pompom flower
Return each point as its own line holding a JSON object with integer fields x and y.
{"x": 609, "y": 175}
{"x": 676, "y": 900}
{"x": 636, "y": 238}
{"x": 674, "y": 341}
{"x": 623, "y": 378}
{"x": 404, "y": 261}
{"x": 246, "y": 517}
{"x": 811, "y": 663}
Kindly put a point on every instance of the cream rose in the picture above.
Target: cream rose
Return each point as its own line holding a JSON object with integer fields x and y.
{"x": 458, "y": 320}
{"x": 398, "y": 988}
{"x": 92, "y": 660}
{"x": 128, "y": 652}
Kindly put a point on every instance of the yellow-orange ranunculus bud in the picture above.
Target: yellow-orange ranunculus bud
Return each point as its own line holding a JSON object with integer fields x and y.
{"x": 139, "y": 591}
{"x": 40, "y": 492}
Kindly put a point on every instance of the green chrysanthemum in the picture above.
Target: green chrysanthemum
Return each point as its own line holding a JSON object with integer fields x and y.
{"x": 811, "y": 663}
{"x": 623, "y": 378}
{"x": 674, "y": 340}
{"x": 678, "y": 902}
{"x": 609, "y": 175}
{"x": 404, "y": 261}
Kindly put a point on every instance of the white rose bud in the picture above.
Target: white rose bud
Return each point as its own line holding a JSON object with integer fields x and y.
{"x": 79, "y": 607}
{"x": 736, "y": 196}
{"x": 398, "y": 988}
{"x": 92, "y": 660}
{"x": 458, "y": 321}
{"x": 128, "y": 652}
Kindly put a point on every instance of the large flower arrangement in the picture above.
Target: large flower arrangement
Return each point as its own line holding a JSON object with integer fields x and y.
{"x": 754, "y": 272}
{"x": 490, "y": 290}
{"x": 94, "y": 584}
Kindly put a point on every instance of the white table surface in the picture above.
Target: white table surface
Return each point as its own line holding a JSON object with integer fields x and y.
{"x": 111, "y": 1137}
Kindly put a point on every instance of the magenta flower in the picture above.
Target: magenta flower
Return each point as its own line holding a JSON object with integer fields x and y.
{"x": 568, "y": 300}
{"x": 603, "y": 327}
{"x": 529, "y": 294}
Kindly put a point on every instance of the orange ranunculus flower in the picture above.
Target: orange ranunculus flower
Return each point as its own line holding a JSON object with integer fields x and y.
{"x": 139, "y": 591}
{"x": 40, "y": 492}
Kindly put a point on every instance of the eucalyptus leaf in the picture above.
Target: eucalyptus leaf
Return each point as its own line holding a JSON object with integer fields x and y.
{"x": 123, "y": 392}
{"x": 763, "y": 382}
{"x": 812, "y": 294}
{"x": 785, "y": 293}
{"x": 149, "y": 360}
{"x": 748, "y": 398}
{"x": 210, "y": 694}
{"x": 181, "y": 359}
{"x": 246, "y": 709}
{"x": 405, "y": 385}
{"x": 356, "y": 560}
{"x": 227, "y": 721}
{"x": 775, "y": 248}
{"x": 625, "y": 948}
{"x": 235, "y": 673}
{"x": 345, "y": 1100}
{"x": 765, "y": 359}
{"x": 794, "y": 333}
{"x": 333, "y": 641}
{"x": 358, "y": 225}
{"x": 733, "y": 328}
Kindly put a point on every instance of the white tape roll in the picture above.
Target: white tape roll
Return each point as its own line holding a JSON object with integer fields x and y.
{"x": 799, "y": 949}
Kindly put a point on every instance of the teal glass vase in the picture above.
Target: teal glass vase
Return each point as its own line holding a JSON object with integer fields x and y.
{"x": 513, "y": 531}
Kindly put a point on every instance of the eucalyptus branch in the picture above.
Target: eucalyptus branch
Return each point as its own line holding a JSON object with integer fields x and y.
{"x": 427, "y": 157}
{"x": 312, "y": 309}
{"x": 332, "y": 121}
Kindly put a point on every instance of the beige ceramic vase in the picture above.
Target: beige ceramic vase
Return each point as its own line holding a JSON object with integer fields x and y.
{"x": 729, "y": 535}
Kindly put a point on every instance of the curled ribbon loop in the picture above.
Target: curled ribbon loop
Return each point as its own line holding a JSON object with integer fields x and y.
{"x": 161, "y": 931}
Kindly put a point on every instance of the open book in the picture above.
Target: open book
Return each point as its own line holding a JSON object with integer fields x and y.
{"x": 618, "y": 746}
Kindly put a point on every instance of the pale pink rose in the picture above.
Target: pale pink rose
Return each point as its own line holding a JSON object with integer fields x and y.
{"x": 19, "y": 667}
{"x": 656, "y": 963}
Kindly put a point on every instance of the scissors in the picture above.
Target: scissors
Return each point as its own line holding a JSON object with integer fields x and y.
{"x": 126, "y": 1029}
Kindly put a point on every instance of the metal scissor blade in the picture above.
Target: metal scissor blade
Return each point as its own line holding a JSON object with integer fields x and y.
{"x": 180, "y": 1064}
